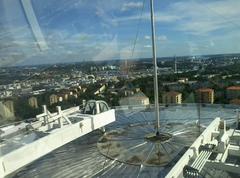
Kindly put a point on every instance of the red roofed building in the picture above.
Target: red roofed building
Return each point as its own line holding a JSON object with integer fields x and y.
{"x": 233, "y": 92}
{"x": 205, "y": 95}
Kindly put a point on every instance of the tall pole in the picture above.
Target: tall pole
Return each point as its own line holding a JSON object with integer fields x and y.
{"x": 199, "y": 117}
{"x": 155, "y": 69}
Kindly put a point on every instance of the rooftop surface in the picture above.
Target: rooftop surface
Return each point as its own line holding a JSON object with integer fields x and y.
{"x": 82, "y": 157}
{"x": 233, "y": 88}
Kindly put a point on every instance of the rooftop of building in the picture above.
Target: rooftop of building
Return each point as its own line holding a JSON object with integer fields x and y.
{"x": 233, "y": 88}
{"x": 205, "y": 90}
{"x": 173, "y": 93}
{"x": 138, "y": 95}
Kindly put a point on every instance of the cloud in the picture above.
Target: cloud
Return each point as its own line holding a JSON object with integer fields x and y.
{"x": 194, "y": 17}
{"x": 212, "y": 43}
{"x": 159, "y": 17}
{"x": 147, "y": 46}
{"x": 208, "y": 26}
{"x": 131, "y": 5}
{"x": 167, "y": 18}
{"x": 109, "y": 51}
{"x": 162, "y": 38}
{"x": 106, "y": 17}
{"x": 202, "y": 18}
{"x": 147, "y": 37}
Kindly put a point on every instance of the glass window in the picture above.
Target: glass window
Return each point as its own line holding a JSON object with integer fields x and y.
{"x": 69, "y": 52}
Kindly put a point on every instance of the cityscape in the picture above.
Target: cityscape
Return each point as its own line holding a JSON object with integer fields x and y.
{"x": 189, "y": 79}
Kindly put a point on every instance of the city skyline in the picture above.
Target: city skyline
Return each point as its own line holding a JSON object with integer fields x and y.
{"x": 101, "y": 30}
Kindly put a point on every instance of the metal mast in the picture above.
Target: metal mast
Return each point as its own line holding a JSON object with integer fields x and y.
{"x": 155, "y": 69}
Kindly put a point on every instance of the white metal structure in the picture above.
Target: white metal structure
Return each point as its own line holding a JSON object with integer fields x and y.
{"x": 214, "y": 140}
{"x": 64, "y": 126}
{"x": 157, "y": 115}
{"x": 56, "y": 129}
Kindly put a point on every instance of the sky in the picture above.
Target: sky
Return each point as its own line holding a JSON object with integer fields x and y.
{"x": 52, "y": 31}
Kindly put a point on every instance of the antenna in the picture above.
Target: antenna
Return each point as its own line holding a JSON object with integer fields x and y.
{"x": 157, "y": 115}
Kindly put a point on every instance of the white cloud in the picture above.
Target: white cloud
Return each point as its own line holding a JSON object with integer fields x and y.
{"x": 162, "y": 38}
{"x": 147, "y": 37}
{"x": 159, "y": 17}
{"x": 131, "y": 5}
{"x": 212, "y": 43}
{"x": 195, "y": 17}
{"x": 147, "y": 46}
{"x": 109, "y": 51}
{"x": 106, "y": 17}
{"x": 167, "y": 18}
{"x": 202, "y": 18}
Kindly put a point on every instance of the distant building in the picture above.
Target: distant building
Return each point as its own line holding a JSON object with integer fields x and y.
{"x": 100, "y": 90}
{"x": 10, "y": 105}
{"x": 233, "y": 92}
{"x": 75, "y": 95}
{"x": 128, "y": 92}
{"x": 137, "y": 90}
{"x": 60, "y": 98}
{"x": 172, "y": 97}
{"x": 183, "y": 80}
{"x": 63, "y": 96}
{"x": 7, "y": 109}
{"x": 205, "y": 95}
{"x": 83, "y": 90}
{"x": 174, "y": 86}
{"x": 53, "y": 99}
{"x": 137, "y": 99}
{"x": 32, "y": 101}
{"x": 38, "y": 92}
{"x": 75, "y": 88}
{"x": 6, "y": 93}
{"x": 26, "y": 90}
